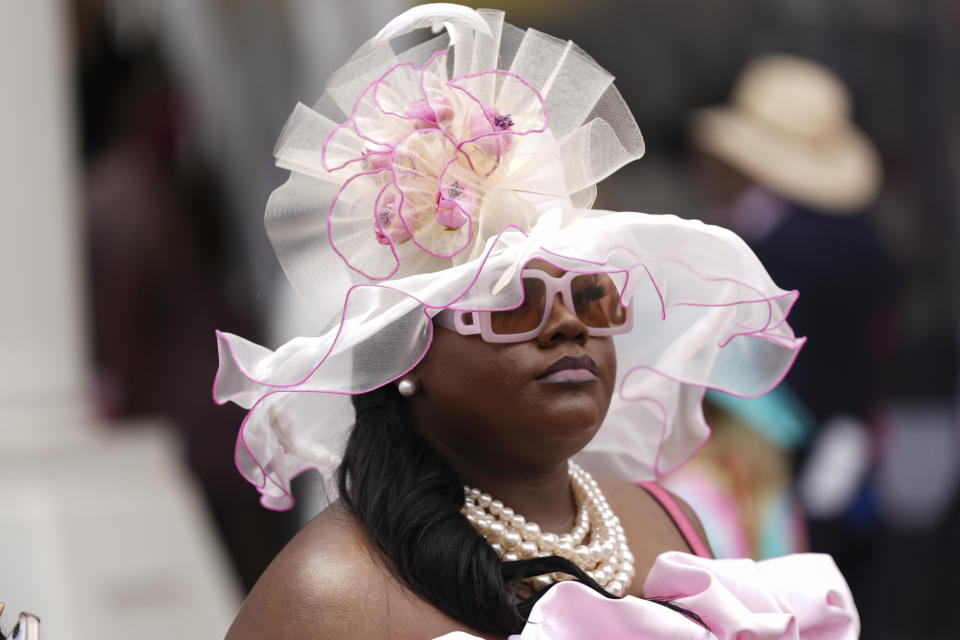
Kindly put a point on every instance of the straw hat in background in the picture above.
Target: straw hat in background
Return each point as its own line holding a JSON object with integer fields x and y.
{"x": 788, "y": 127}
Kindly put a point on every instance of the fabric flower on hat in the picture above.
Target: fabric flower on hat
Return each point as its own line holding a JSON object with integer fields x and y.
{"x": 423, "y": 153}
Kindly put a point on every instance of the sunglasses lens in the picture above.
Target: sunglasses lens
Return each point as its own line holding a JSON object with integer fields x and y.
{"x": 527, "y": 316}
{"x": 597, "y": 301}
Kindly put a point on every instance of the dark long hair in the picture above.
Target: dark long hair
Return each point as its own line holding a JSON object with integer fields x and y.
{"x": 408, "y": 498}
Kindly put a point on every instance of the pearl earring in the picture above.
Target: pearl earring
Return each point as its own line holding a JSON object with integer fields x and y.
{"x": 407, "y": 387}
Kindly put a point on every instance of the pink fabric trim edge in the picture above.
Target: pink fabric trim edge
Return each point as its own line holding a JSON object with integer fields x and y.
{"x": 679, "y": 518}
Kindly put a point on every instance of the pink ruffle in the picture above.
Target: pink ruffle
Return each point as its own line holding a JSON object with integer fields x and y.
{"x": 791, "y": 598}
{"x": 797, "y": 597}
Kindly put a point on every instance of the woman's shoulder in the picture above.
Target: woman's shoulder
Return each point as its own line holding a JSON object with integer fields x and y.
{"x": 650, "y": 529}
{"x": 329, "y": 582}
{"x": 311, "y": 587}
{"x": 640, "y": 499}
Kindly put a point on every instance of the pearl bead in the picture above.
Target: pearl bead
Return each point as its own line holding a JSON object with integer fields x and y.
{"x": 474, "y": 493}
{"x": 484, "y": 500}
{"x": 518, "y": 521}
{"x": 565, "y": 539}
{"x": 607, "y": 573}
{"x": 564, "y": 548}
{"x": 510, "y": 556}
{"x": 407, "y": 387}
{"x": 528, "y": 549}
{"x": 548, "y": 541}
{"x": 497, "y": 530}
{"x": 530, "y": 531}
{"x": 596, "y": 553}
{"x": 496, "y": 507}
{"x": 615, "y": 587}
{"x": 621, "y": 577}
{"x": 506, "y": 514}
{"x": 581, "y": 555}
{"x": 511, "y": 539}
{"x": 497, "y": 548}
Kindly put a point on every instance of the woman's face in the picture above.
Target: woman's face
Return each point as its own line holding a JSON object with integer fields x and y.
{"x": 532, "y": 403}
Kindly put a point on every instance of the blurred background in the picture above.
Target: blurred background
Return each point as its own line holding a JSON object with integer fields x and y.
{"x": 137, "y": 164}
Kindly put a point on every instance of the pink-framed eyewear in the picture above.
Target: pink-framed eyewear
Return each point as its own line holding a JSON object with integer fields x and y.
{"x": 593, "y": 298}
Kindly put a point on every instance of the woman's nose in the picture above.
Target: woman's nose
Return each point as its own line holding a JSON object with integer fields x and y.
{"x": 562, "y": 324}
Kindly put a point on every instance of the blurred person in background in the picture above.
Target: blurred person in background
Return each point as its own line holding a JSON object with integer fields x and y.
{"x": 155, "y": 234}
{"x": 789, "y": 173}
{"x": 741, "y": 481}
{"x": 787, "y": 170}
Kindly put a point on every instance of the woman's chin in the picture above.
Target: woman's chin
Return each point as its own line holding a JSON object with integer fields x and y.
{"x": 573, "y": 412}
{"x": 569, "y": 431}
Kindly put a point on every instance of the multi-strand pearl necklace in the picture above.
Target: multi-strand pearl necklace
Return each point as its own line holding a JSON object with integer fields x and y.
{"x": 597, "y": 544}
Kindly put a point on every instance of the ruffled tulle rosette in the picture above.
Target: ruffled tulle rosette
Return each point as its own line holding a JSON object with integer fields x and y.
{"x": 425, "y": 179}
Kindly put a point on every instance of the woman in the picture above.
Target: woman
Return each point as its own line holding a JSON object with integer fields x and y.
{"x": 487, "y": 327}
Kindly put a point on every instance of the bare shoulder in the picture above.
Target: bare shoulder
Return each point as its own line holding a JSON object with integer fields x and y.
{"x": 631, "y": 496}
{"x": 324, "y": 584}
{"x": 329, "y": 582}
{"x": 693, "y": 518}
{"x": 650, "y": 531}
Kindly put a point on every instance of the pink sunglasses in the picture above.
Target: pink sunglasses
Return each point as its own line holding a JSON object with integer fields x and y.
{"x": 593, "y": 297}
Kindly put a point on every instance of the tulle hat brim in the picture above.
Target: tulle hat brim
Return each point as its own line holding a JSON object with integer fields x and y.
{"x": 425, "y": 179}
{"x": 706, "y": 316}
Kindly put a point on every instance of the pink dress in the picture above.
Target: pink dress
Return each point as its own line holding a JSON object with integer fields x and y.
{"x": 796, "y": 597}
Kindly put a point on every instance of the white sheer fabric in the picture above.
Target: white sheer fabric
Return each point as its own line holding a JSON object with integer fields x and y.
{"x": 426, "y": 179}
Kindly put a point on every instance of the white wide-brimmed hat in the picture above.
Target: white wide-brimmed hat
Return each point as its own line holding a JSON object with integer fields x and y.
{"x": 788, "y": 127}
{"x": 425, "y": 179}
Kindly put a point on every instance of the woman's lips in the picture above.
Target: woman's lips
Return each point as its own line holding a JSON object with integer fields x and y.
{"x": 571, "y": 369}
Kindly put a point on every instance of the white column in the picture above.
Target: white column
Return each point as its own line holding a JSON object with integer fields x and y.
{"x": 42, "y": 329}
